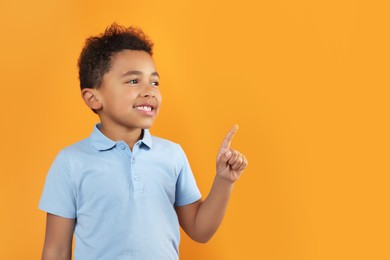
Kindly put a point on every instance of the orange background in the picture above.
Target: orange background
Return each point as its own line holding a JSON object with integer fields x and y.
{"x": 307, "y": 81}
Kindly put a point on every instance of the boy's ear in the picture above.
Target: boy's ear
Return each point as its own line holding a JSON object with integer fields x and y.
{"x": 90, "y": 97}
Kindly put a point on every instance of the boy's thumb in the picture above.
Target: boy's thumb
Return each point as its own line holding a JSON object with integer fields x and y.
{"x": 225, "y": 157}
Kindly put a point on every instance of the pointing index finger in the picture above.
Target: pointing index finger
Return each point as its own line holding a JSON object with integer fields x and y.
{"x": 228, "y": 138}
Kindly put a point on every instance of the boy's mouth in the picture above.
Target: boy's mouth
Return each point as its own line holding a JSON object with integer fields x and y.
{"x": 144, "y": 108}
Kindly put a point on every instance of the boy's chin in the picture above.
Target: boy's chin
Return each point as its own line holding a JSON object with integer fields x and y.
{"x": 146, "y": 125}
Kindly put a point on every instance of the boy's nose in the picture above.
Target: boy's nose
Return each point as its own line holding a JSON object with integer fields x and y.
{"x": 148, "y": 91}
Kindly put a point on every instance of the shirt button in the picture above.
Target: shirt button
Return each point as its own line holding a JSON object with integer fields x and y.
{"x": 133, "y": 160}
{"x": 136, "y": 177}
{"x": 122, "y": 147}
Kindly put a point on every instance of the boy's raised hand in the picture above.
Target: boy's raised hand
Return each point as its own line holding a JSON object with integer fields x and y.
{"x": 230, "y": 163}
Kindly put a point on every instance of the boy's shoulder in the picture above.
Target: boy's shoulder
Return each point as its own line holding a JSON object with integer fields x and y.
{"x": 75, "y": 151}
{"x": 77, "y": 146}
{"x": 162, "y": 141}
{"x": 167, "y": 146}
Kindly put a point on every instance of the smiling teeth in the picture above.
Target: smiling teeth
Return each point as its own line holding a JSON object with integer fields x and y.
{"x": 144, "y": 108}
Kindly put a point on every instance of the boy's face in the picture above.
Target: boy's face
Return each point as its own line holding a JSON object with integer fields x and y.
{"x": 129, "y": 92}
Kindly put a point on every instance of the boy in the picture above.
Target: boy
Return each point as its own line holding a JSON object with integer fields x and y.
{"x": 122, "y": 192}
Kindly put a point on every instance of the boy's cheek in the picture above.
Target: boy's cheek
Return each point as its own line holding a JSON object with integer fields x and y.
{"x": 159, "y": 99}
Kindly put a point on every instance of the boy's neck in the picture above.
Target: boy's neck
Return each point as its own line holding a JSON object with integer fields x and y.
{"x": 128, "y": 135}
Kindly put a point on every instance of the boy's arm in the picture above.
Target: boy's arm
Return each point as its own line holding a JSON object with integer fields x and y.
{"x": 201, "y": 219}
{"x": 58, "y": 239}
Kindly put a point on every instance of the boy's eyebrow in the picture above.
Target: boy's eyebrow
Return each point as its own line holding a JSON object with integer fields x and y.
{"x": 137, "y": 72}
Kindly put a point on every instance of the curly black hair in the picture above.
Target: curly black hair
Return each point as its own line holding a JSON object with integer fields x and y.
{"x": 95, "y": 58}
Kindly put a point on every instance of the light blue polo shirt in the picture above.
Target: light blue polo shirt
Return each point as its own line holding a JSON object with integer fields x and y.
{"x": 123, "y": 201}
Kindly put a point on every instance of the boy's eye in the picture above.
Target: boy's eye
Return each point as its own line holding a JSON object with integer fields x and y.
{"x": 133, "y": 81}
{"x": 155, "y": 83}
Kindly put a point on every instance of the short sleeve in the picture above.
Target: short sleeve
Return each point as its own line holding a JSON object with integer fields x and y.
{"x": 187, "y": 191}
{"x": 58, "y": 195}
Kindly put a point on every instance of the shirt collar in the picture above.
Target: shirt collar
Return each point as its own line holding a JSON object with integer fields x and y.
{"x": 147, "y": 138}
{"x": 102, "y": 142}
